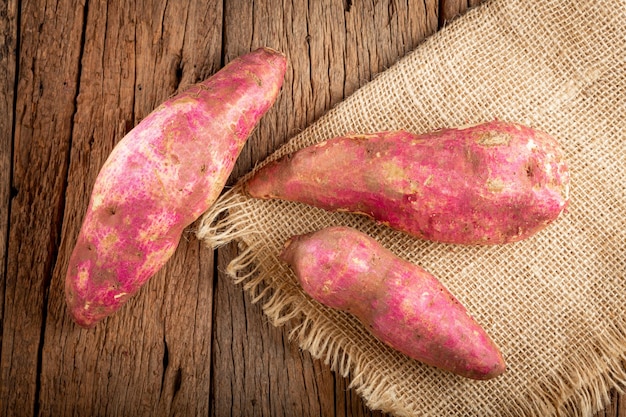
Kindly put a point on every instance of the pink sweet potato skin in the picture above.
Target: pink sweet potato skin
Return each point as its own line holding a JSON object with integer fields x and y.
{"x": 160, "y": 178}
{"x": 491, "y": 183}
{"x": 399, "y": 303}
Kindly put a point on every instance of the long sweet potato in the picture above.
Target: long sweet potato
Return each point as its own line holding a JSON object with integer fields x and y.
{"x": 491, "y": 183}
{"x": 398, "y": 302}
{"x": 160, "y": 178}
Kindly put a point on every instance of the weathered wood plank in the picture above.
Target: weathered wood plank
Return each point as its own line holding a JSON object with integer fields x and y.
{"x": 256, "y": 371}
{"x": 49, "y": 53}
{"x": 153, "y": 356}
{"x": 450, "y": 9}
{"x": 8, "y": 67}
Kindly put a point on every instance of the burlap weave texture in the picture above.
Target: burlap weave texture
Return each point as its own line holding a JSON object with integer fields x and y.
{"x": 554, "y": 303}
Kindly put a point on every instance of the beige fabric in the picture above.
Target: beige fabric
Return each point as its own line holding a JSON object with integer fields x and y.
{"x": 553, "y": 303}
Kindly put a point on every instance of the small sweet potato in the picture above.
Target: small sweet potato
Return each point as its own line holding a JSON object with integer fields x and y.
{"x": 160, "y": 178}
{"x": 491, "y": 183}
{"x": 398, "y": 302}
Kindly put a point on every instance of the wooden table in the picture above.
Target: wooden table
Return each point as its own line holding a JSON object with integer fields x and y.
{"x": 76, "y": 77}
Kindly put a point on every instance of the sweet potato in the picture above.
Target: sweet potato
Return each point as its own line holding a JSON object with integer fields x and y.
{"x": 491, "y": 183}
{"x": 398, "y": 302}
{"x": 160, "y": 178}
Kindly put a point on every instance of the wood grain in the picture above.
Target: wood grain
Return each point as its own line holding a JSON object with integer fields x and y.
{"x": 8, "y": 67}
{"x": 45, "y": 103}
{"x": 450, "y": 9}
{"x": 77, "y": 76}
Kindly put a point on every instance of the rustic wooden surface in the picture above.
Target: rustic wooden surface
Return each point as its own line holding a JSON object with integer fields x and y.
{"x": 76, "y": 76}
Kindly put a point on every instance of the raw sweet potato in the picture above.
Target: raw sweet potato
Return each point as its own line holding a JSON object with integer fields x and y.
{"x": 398, "y": 302}
{"x": 160, "y": 178}
{"x": 491, "y": 183}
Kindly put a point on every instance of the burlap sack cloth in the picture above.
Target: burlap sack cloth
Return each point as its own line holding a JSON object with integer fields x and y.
{"x": 553, "y": 303}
